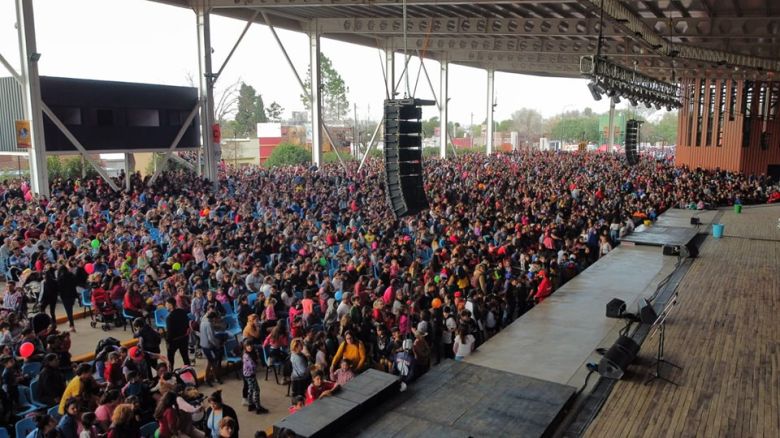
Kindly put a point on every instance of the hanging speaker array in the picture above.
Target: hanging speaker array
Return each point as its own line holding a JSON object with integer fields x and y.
{"x": 403, "y": 156}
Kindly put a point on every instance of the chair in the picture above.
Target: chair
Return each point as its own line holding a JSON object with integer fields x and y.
{"x": 25, "y": 426}
{"x": 34, "y": 394}
{"x": 148, "y": 429}
{"x": 231, "y": 346}
{"x": 86, "y": 301}
{"x": 271, "y": 363}
{"x": 31, "y": 368}
{"x": 232, "y": 325}
{"x": 127, "y": 318}
{"x": 54, "y": 412}
{"x": 159, "y": 318}
{"x": 24, "y": 406}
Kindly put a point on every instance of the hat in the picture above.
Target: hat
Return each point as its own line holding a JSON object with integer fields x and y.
{"x": 420, "y": 333}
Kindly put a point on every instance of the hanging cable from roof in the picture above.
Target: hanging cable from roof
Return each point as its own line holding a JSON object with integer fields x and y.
{"x": 406, "y": 51}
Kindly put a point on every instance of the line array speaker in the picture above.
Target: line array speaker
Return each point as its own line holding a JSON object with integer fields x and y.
{"x": 632, "y": 141}
{"x": 403, "y": 156}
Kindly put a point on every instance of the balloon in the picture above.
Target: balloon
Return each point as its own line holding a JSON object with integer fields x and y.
{"x": 436, "y": 303}
{"x": 176, "y": 266}
{"x": 436, "y": 279}
{"x": 323, "y": 262}
{"x": 337, "y": 295}
{"x": 90, "y": 268}
{"x": 26, "y": 350}
{"x": 95, "y": 244}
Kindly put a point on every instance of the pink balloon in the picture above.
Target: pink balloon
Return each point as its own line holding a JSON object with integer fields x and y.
{"x": 90, "y": 268}
{"x": 28, "y": 196}
{"x": 26, "y": 350}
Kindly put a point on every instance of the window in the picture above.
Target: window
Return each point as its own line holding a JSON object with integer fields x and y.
{"x": 733, "y": 102}
{"x": 143, "y": 117}
{"x": 721, "y": 111}
{"x": 762, "y": 101}
{"x": 105, "y": 117}
{"x": 747, "y": 112}
{"x": 700, "y": 115}
{"x": 710, "y": 113}
{"x": 691, "y": 97}
{"x": 774, "y": 98}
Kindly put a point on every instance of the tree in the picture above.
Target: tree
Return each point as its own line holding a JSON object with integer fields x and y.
{"x": 288, "y": 155}
{"x": 274, "y": 112}
{"x": 333, "y": 91}
{"x": 250, "y": 111}
{"x": 225, "y": 102}
{"x": 528, "y": 123}
{"x": 429, "y": 127}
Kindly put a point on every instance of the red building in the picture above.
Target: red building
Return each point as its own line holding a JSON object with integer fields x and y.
{"x": 730, "y": 124}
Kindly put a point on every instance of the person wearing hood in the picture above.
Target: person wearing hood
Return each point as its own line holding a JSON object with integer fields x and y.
{"x": 331, "y": 315}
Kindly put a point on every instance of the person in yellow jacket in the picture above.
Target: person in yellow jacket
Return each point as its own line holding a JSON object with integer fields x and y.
{"x": 351, "y": 349}
{"x": 77, "y": 384}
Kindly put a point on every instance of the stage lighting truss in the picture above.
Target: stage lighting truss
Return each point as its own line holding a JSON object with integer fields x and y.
{"x": 617, "y": 81}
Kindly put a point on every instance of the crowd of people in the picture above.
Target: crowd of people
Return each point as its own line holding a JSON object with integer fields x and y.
{"x": 303, "y": 270}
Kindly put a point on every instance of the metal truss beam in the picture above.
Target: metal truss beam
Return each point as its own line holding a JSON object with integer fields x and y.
{"x": 527, "y": 45}
{"x": 464, "y": 26}
{"x": 637, "y": 27}
{"x": 231, "y": 4}
{"x": 717, "y": 28}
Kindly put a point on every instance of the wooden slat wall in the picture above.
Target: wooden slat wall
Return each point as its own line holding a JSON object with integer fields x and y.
{"x": 731, "y": 156}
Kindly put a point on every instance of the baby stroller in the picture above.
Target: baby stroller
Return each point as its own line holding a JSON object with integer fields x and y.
{"x": 105, "y": 312}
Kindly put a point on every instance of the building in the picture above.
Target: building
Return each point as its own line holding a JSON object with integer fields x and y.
{"x": 731, "y": 125}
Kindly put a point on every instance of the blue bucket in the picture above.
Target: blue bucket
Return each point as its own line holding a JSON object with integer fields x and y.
{"x": 717, "y": 230}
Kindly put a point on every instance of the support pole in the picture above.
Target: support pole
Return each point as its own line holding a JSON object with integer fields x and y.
{"x": 316, "y": 108}
{"x": 210, "y": 152}
{"x": 235, "y": 46}
{"x": 127, "y": 172}
{"x": 491, "y": 79}
{"x": 169, "y": 153}
{"x": 28, "y": 54}
{"x": 77, "y": 144}
{"x": 11, "y": 70}
{"x": 443, "y": 104}
{"x": 370, "y": 144}
{"x": 611, "y": 147}
{"x": 390, "y": 69}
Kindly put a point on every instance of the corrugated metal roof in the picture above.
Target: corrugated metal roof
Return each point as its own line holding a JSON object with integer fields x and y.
{"x": 11, "y": 109}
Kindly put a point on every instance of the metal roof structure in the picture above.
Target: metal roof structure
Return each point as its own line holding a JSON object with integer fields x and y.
{"x": 731, "y": 38}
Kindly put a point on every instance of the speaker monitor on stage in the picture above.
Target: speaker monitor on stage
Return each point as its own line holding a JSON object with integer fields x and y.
{"x": 646, "y": 313}
{"x": 616, "y": 360}
{"x": 616, "y": 308}
{"x": 403, "y": 156}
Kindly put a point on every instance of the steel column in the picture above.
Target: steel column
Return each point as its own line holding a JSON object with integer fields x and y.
{"x": 491, "y": 77}
{"x": 316, "y": 104}
{"x": 28, "y": 54}
{"x": 390, "y": 70}
{"x": 611, "y": 127}
{"x": 210, "y": 151}
{"x": 443, "y": 104}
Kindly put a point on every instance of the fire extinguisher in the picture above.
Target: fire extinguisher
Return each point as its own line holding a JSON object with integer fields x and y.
{"x": 216, "y": 133}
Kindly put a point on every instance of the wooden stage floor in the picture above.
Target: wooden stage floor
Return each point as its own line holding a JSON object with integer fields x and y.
{"x": 724, "y": 333}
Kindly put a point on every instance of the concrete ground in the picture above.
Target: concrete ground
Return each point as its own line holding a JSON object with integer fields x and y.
{"x": 272, "y": 396}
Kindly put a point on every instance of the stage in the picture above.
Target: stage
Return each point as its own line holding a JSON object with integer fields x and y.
{"x": 457, "y": 399}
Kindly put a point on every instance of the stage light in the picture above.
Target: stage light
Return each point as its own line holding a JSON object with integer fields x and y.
{"x": 616, "y": 99}
{"x": 595, "y": 90}
{"x": 633, "y": 101}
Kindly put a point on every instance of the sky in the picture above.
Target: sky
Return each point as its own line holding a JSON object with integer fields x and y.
{"x": 144, "y": 41}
